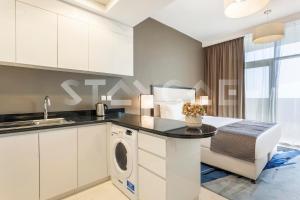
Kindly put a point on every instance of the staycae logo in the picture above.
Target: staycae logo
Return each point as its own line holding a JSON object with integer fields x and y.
{"x": 95, "y": 84}
{"x": 131, "y": 90}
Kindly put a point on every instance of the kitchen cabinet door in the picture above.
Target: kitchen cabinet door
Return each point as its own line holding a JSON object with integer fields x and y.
{"x": 151, "y": 186}
{"x": 110, "y": 52}
{"x": 36, "y": 39}
{"x": 19, "y": 167}
{"x": 73, "y": 42}
{"x": 92, "y": 154}
{"x": 101, "y": 49}
{"x": 123, "y": 55}
{"x": 58, "y": 162}
{"x": 7, "y": 33}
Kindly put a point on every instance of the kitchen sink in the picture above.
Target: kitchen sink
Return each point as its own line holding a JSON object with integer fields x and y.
{"x": 17, "y": 124}
{"x": 33, "y": 123}
{"x": 54, "y": 121}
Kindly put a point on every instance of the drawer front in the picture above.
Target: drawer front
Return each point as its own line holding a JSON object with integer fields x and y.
{"x": 152, "y": 144}
{"x": 153, "y": 163}
{"x": 151, "y": 187}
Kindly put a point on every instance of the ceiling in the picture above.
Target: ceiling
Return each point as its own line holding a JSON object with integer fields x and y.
{"x": 204, "y": 20}
{"x": 130, "y": 12}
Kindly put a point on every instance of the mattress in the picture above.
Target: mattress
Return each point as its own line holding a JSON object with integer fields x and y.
{"x": 265, "y": 143}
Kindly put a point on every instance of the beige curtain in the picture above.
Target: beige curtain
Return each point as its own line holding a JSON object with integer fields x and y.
{"x": 224, "y": 78}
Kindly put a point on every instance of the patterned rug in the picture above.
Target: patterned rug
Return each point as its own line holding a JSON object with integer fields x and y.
{"x": 279, "y": 180}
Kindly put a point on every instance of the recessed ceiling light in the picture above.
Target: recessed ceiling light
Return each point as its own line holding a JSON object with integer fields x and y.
{"x": 243, "y": 8}
{"x": 95, "y": 6}
{"x": 103, "y": 2}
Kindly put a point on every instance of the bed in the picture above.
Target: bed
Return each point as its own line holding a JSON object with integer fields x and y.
{"x": 168, "y": 102}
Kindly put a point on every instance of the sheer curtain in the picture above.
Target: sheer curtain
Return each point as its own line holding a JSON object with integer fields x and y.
{"x": 261, "y": 80}
{"x": 272, "y": 82}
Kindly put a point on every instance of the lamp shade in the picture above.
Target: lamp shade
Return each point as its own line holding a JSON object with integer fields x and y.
{"x": 203, "y": 100}
{"x": 147, "y": 101}
{"x": 267, "y": 33}
{"x": 147, "y": 121}
{"x": 243, "y": 8}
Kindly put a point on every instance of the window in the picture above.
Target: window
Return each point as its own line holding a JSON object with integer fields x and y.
{"x": 272, "y": 82}
{"x": 257, "y": 82}
{"x": 289, "y": 78}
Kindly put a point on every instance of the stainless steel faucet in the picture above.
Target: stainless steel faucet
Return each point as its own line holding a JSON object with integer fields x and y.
{"x": 47, "y": 103}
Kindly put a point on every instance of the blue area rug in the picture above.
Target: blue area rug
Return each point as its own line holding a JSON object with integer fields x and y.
{"x": 209, "y": 173}
{"x": 282, "y": 158}
{"x": 279, "y": 180}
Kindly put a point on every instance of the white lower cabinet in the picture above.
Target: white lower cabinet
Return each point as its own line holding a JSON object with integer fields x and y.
{"x": 58, "y": 162}
{"x": 52, "y": 163}
{"x": 151, "y": 186}
{"x": 169, "y": 168}
{"x": 19, "y": 167}
{"x": 92, "y": 154}
{"x": 152, "y": 167}
{"x": 156, "y": 164}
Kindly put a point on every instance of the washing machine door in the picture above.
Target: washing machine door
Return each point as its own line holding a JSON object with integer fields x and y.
{"x": 122, "y": 158}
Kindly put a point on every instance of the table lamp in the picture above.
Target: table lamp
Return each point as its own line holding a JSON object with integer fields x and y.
{"x": 204, "y": 101}
{"x": 146, "y": 102}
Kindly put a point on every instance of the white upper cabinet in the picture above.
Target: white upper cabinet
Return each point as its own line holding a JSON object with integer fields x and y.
{"x": 101, "y": 49}
{"x": 36, "y": 38}
{"x": 19, "y": 167}
{"x": 123, "y": 55}
{"x": 110, "y": 52}
{"x": 7, "y": 32}
{"x": 92, "y": 154}
{"x": 53, "y": 34}
{"x": 73, "y": 42}
{"x": 58, "y": 162}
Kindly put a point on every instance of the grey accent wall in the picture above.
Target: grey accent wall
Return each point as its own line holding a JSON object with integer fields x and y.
{"x": 161, "y": 55}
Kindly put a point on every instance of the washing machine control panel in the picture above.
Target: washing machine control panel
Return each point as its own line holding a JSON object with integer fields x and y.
{"x": 128, "y": 132}
{"x": 122, "y": 131}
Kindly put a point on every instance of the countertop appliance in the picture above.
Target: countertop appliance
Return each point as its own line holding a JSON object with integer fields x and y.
{"x": 123, "y": 156}
{"x": 101, "y": 109}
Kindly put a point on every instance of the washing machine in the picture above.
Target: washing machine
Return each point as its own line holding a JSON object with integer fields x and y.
{"x": 123, "y": 160}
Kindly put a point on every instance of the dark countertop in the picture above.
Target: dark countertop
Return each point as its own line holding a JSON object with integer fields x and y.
{"x": 159, "y": 126}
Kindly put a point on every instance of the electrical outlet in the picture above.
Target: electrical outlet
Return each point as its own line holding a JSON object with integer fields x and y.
{"x": 103, "y": 98}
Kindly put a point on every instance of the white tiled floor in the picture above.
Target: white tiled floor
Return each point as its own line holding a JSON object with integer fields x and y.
{"x": 107, "y": 191}
{"x": 208, "y": 195}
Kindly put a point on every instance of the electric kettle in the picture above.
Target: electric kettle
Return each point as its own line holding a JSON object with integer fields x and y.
{"x": 101, "y": 109}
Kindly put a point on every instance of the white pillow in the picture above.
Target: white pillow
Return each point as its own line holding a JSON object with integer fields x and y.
{"x": 171, "y": 111}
